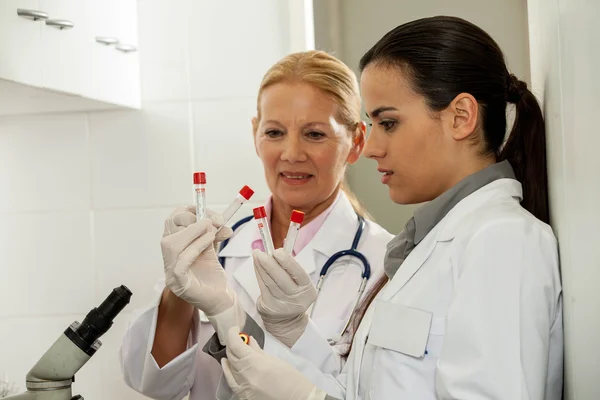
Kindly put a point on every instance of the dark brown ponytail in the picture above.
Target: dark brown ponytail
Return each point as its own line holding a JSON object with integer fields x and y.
{"x": 525, "y": 148}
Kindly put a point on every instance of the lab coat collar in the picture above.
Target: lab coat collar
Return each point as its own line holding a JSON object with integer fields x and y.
{"x": 338, "y": 230}
{"x": 502, "y": 188}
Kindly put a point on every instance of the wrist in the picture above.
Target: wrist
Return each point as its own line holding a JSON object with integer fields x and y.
{"x": 286, "y": 330}
{"x": 174, "y": 306}
{"x": 225, "y": 320}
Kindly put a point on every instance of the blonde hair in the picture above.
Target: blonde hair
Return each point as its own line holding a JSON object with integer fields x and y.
{"x": 327, "y": 73}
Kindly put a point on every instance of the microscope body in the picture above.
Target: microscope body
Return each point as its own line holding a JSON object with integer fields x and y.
{"x": 52, "y": 376}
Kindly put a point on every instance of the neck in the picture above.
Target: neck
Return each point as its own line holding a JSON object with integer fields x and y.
{"x": 470, "y": 168}
{"x": 281, "y": 212}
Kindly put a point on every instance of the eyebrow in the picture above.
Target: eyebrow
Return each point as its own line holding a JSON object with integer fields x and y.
{"x": 375, "y": 113}
{"x": 307, "y": 125}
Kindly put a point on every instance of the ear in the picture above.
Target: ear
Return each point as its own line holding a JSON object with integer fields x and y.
{"x": 358, "y": 143}
{"x": 462, "y": 115}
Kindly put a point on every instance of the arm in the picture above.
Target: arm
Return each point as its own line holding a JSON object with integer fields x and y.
{"x": 174, "y": 323}
{"x": 141, "y": 372}
{"x": 158, "y": 355}
{"x": 498, "y": 328}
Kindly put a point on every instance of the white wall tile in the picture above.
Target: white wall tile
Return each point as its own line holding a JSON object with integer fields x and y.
{"x": 164, "y": 33}
{"x": 141, "y": 158}
{"x": 44, "y": 163}
{"x": 234, "y": 43}
{"x": 224, "y": 149}
{"x": 127, "y": 247}
{"x": 164, "y": 50}
{"x": 45, "y": 264}
{"x": 164, "y": 82}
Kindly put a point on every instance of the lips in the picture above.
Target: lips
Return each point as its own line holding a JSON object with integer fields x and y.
{"x": 295, "y": 178}
{"x": 297, "y": 175}
{"x": 387, "y": 175}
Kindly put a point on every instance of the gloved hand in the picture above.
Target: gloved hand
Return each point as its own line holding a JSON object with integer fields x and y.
{"x": 252, "y": 374}
{"x": 183, "y": 217}
{"x": 286, "y": 294}
{"x": 192, "y": 270}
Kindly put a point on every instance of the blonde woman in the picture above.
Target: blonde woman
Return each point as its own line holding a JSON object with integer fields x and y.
{"x": 306, "y": 132}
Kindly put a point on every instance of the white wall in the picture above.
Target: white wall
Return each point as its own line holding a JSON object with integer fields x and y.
{"x": 565, "y": 62}
{"x": 349, "y": 28}
{"x": 83, "y": 197}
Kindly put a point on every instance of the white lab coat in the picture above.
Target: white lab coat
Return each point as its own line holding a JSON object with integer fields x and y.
{"x": 488, "y": 275}
{"x": 196, "y": 371}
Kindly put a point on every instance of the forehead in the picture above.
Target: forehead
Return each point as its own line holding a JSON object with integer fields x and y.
{"x": 290, "y": 99}
{"x": 381, "y": 85}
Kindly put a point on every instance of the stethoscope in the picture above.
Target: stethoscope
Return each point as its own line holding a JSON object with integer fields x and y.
{"x": 352, "y": 252}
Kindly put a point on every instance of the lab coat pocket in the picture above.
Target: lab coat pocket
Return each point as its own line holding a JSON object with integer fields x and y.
{"x": 408, "y": 343}
{"x": 400, "y": 328}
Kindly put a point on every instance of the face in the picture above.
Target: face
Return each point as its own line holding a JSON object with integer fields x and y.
{"x": 407, "y": 140}
{"x": 302, "y": 144}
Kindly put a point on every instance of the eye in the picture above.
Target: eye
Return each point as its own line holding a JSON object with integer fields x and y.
{"x": 315, "y": 135}
{"x": 273, "y": 133}
{"x": 388, "y": 125}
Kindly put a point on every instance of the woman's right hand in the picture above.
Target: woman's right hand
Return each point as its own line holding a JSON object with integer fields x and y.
{"x": 192, "y": 270}
{"x": 287, "y": 292}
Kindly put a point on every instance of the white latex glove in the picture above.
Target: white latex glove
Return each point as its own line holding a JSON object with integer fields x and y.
{"x": 286, "y": 294}
{"x": 192, "y": 269}
{"x": 183, "y": 217}
{"x": 252, "y": 374}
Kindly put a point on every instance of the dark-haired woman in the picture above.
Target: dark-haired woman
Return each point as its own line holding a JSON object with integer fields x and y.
{"x": 470, "y": 306}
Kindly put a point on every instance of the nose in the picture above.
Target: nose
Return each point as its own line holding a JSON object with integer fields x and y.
{"x": 375, "y": 146}
{"x": 293, "y": 150}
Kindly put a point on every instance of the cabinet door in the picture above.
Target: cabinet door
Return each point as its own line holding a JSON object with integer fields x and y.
{"x": 20, "y": 43}
{"x": 62, "y": 46}
{"x": 127, "y": 78}
{"x": 114, "y": 74}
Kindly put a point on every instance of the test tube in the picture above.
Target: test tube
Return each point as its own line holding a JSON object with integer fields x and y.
{"x": 260, "y": 215}
{"x": 243, "y": 196}
{"x": 292, "y": 233}
{"x": 200, "y": 187}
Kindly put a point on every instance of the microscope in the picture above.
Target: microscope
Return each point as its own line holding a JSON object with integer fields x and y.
{"x": 52, "y": 376}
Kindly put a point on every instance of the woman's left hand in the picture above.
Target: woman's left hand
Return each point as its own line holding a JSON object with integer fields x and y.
{"x": 286, "y": 293}
{"x": 252, "y": 374}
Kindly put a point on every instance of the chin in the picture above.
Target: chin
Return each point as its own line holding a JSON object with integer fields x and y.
{"x": 296, "y": 198}
{"x": 401, "y": 197}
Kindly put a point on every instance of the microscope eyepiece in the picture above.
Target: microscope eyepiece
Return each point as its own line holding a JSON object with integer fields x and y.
{"x": 99, "y": 320}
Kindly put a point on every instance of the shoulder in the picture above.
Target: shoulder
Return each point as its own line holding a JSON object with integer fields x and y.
{"x": 508, "y": 237}
{"x": 509, "y": 220}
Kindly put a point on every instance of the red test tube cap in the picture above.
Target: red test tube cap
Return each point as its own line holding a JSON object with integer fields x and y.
{"x": 259, "y": 212}
{"x": 297, "y": 217}
{"x": 246, "y": 192}
{"x": 199, "y": 178}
